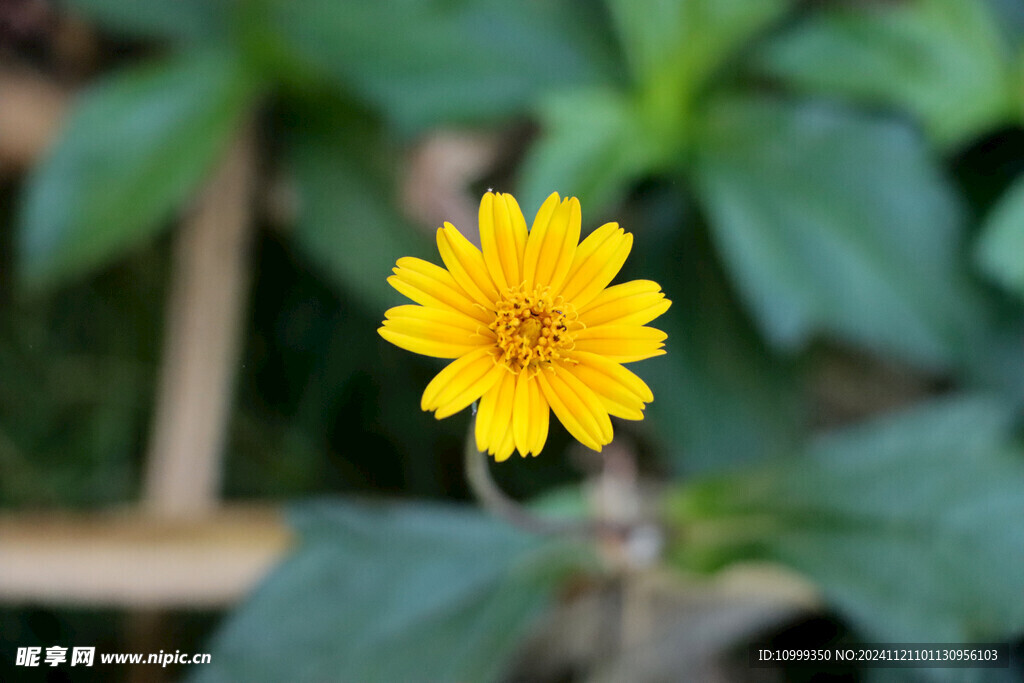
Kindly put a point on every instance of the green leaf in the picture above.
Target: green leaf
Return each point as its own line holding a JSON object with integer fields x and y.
{"x": 1010, "y": 19}
{"x": 348, "y": 221}
{"x": 133, "y": 150}
{"x": 1000, "y": 252}
{"x": 675, "y": 47}
{"x": 423, "y": 62}
{"x": 598, "y": 140}
{"x": 392, "y": 592}
{"x": 944, "y": 61}
{"x": 910, "y": 524}
{"x": 174, "y": 19}
{"x": 832, "y": 222}
{"x": 686, "y": 39}
{"x": 594, "y": 143}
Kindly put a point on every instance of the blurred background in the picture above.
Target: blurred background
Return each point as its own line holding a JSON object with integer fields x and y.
{"x": 206, "y": 447}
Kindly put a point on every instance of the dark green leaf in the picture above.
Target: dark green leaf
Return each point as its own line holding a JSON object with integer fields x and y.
{"x": 910, "y": 524}
{"x": 1001, "y": 250}
{"x": 832, "y": 222}
{"x": 422, "y": 62}
{"x": 174, "y": 19}
{"x": 348, "y": 220}
{"x": 133, "y": 149}
{"x": 942, "y": 60}
{"x": 392, "y": 592}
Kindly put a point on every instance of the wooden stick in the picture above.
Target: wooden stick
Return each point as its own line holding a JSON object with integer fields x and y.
{"x": 207, "y": 297}
{"x": 126, "y": 559}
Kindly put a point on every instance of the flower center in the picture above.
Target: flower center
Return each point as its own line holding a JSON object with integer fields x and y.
{"x": 532, "y": 328}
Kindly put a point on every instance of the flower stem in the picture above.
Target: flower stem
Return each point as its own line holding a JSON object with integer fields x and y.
{"x": 490, "y": 496}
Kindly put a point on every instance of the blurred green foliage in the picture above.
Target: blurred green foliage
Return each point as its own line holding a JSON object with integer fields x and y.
{"x": 445, "y": 592}
{"x": 944, "y": 62}
{"x": 790, "y": 170}
{"x": 834, "y": 222}
{"x": 895, "y": 519}
{"x": 134, "y": 149}
{"x": 1001, "y": 248}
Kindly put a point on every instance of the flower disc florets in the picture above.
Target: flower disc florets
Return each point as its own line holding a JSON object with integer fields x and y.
{"x": 532, "y": 329}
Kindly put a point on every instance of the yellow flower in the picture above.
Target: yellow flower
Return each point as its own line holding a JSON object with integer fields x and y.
{"x": 532, "y": 325}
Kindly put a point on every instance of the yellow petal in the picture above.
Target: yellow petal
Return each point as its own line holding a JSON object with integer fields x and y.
{"x": 488, "y": 241}
{"x": 485, "y": 417}
{"x": 539, "y": 418}
{"x": 536, "y": 239}
{"x": 631, "y": 303}
{"x": 426, "y": 347}
{"x": 636, "y": 310}
{"x": 519, "y": 233}
{"x": 471, "y": 392}
{"x": 626, "y": 289}
{"x": 502, "y": 419}
{"x": 587, "y": 247}
{"x": 456, "y": 377}
{"x": 503, "y": 238}
{"x": 626, "y": 332}
{"x": 622, "y": 352}
{"x": 440, "y": 316}
{"x": 507, "y": 445}
{"x": 466, "y": 265}
{"x": 564, "y": 414}
{"x": 494, "y": 416}
{"x": 582, "y": 418}
{"x": 439, "y": 332}
{"x": 626, "y": 378}
{"x": 591, "y": 273}
{"x": 615, "y": 392}
{"x": 557, "y": 245}
{"x": 621, "y": 343}
{"x": 431, "y": 285}
{"x": 616, "y": 401}
{"x": 592, "y": 405}
{"x": 522, "y": 413}
{"x": 431, "y": 331}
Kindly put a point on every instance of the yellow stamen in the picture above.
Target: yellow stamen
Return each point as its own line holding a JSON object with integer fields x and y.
{"x": 532, "y": 329}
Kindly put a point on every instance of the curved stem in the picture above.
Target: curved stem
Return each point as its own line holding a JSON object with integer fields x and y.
{"x": 491, "y": 496}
